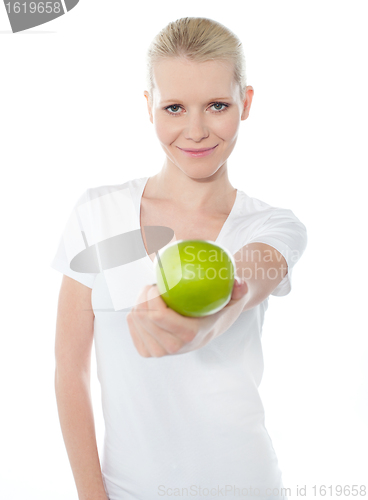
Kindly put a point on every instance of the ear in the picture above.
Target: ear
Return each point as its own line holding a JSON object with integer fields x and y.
{"x": 146, "y": 95}
{"x": 247, "y": 102}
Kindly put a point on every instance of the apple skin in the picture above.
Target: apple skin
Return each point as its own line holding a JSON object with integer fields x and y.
{"x": 195, "y": 277}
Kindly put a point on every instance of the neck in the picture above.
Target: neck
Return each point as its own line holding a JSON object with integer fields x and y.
{"x": 192, "y": 194}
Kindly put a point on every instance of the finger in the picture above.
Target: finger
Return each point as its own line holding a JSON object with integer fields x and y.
{"x": 137, "y": 340}
{"x": 145, "y": 345}
{"x": 240, "y": 288}
{"x": 153, "y": 297}
{"x": 182, "y": 327}
{"x": 148, "y": 328}
{"x": 154, "y": 347}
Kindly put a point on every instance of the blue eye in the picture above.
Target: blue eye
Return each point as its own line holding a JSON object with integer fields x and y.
{"x": 173, "y": 106}
{"x": 225, "y": 106}
{"x": 221, "y": 104}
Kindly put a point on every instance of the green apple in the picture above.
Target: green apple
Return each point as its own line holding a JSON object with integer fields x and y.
{"x": 195, "y": 277}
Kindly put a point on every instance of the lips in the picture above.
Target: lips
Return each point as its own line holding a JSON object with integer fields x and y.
{"x": 198, "y": 153}
{"x": 197, "y": 150}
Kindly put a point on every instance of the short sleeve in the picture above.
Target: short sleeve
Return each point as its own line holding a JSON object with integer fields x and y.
{"x": 72, "y": 244}
{"x": 284, "y": 232}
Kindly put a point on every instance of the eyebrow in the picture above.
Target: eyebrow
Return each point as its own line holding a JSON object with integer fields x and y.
{"x": 210, "y": 100}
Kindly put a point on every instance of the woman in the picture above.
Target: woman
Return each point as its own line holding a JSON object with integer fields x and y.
{"x": 180, "y": 396}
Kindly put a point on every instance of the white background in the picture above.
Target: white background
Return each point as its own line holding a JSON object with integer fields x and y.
{"x": 73, "y": 116}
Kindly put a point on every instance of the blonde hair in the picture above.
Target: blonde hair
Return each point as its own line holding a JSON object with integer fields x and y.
{"x": 197, "y": 39}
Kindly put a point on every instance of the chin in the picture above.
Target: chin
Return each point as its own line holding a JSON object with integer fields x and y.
{"x": 198, "y": 172}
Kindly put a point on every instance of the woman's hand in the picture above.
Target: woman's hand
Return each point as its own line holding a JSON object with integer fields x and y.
{"x": 157, "y": 330}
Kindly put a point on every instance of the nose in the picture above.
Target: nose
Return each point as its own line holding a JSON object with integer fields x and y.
{"x": 196, "y": 128}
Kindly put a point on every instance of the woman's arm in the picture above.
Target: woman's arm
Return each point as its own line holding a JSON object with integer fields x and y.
{"x": 157, "y": 330}
{"x": 262, "y": 268}
{"x": 73, "y": 345}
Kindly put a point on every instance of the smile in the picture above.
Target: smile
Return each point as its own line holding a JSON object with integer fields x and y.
{"x": 197, "y": 153}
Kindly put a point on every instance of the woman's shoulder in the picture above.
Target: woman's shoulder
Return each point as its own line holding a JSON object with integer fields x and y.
{"x": 255, "y": 209}
{"x": 250, "y": 205}
{"x": 133, "y": 185}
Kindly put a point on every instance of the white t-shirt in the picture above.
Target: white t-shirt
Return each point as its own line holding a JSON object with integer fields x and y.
{"x": 179, "y": 425}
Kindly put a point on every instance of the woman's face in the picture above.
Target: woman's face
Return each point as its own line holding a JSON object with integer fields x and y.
{"x": 197, "y": 105}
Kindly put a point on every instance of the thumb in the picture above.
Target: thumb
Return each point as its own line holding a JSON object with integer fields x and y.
{"x": 240, "y": 288}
